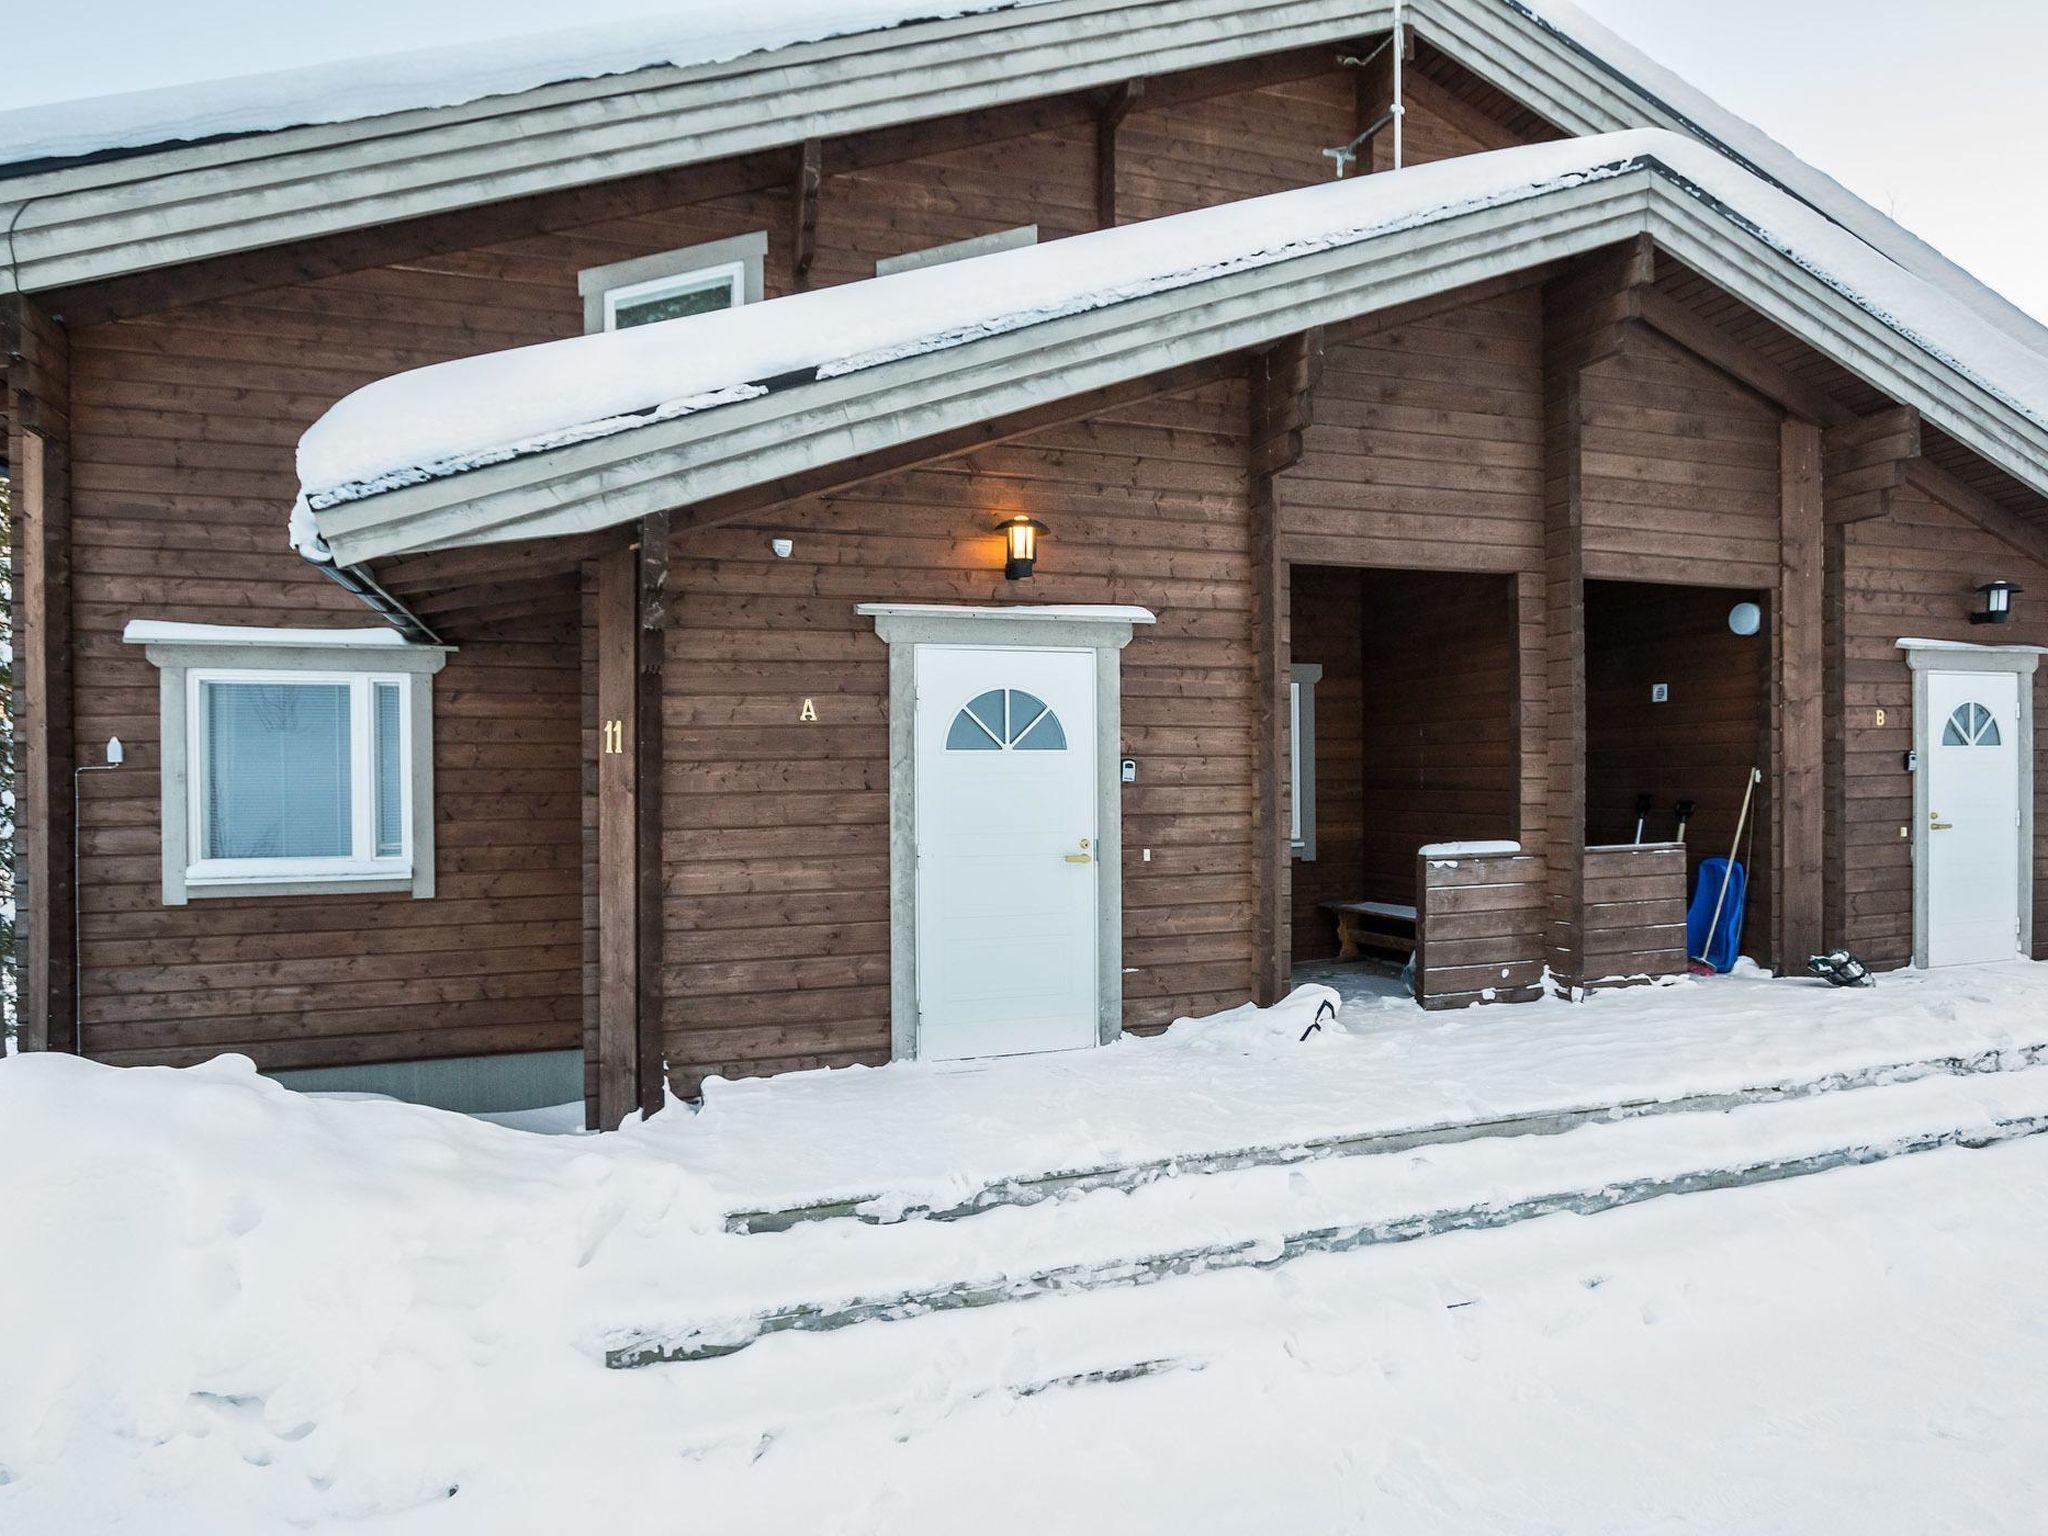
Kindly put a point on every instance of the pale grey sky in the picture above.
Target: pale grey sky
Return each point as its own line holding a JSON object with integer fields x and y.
{"x": 1931, "y": 109}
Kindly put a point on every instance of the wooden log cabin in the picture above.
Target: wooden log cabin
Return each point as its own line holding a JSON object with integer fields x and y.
{"x": 643, "y": 669}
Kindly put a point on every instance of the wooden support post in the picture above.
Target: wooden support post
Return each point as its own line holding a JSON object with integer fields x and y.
{"x": 1799, "y": 739}
{"x": 1283, "y": 383}
{"x": 1564, "y": 617}
{"x": 652, "y": 644}
{"x": 618, "y": 887}
{"x": 38, "y": 395}
{"x": 810, "y": 179}
{"x": 1109, "y": 117}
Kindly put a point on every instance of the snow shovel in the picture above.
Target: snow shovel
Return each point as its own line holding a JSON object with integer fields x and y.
{"x": 1643, "y": 804}
{"x": 1706, "y": 945}
{"x": 1685, "y": 810}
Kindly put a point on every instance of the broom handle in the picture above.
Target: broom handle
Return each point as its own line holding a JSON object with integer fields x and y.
{"x": 1728, "y": 872}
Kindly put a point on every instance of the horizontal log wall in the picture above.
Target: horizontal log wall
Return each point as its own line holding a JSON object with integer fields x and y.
{"x": 1910, "y": 574}
{"x": 186, "y": 422}
{"x": 1635, "y": 914}
{"x": 1481, "y": 932}
{"x": 1681, "y": 471}
{"x": 1439, "y": 721}
{"x": 1327, "y": 617}
{"x": 1426, "y": 449}
{"x": 778, "y": 835}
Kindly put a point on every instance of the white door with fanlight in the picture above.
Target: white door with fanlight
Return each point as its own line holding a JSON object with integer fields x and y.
{"x": 1006, "y": 847}
{"x": 1974, "y": 828}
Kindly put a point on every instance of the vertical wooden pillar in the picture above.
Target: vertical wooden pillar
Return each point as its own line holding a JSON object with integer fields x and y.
{"x": 1564, "y": 631}
{"x": 1116, "y": 106}
{"x": 1283, "y": 382}
{"x": 618, "y": 887}
{"x": 652, "y": 621}
{"x": 1532, "y": 712}
{"x": 803, "y": 242}
{"x": 38, "y": 390}
{"x": 1799, "y": 740}
{"x": 632, "y": 620}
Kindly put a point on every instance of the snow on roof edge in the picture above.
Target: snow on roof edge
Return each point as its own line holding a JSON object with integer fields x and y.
{"x": 172, "y": 632}
{"x": 1748, "y": 144}
{"x": 456, "y": 416}
{"x": 450, "y": 75}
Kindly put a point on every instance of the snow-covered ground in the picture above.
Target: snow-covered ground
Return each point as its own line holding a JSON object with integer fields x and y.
{"x": 228, "y": 1308}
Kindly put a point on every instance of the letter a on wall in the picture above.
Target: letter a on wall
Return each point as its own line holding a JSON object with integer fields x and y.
{"x": 808, "y": 715}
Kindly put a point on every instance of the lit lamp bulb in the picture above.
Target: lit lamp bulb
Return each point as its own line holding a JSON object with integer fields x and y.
{"x": 1020, "y": 534}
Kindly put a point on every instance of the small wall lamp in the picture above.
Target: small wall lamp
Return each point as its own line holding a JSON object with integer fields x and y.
{"x": 1998, "y": 596}
{"x": 1020, "y": 535}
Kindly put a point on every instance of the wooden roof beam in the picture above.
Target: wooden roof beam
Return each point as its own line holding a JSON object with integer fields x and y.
{"x": 1745, "y": 365}
{"x": 2009, "y": 528}
{"x": 1865, "y": 462}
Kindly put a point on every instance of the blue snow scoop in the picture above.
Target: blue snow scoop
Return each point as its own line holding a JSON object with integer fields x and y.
{"x": 1713, "y": 926}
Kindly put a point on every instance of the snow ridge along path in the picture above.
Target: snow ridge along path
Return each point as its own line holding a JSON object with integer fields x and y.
{"x": 1114, "y": 1237}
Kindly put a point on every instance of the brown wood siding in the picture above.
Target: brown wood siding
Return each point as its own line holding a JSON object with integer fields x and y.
{"x": 1438, "y": 721}
{"x": 1635, "y": 914}
{"x": 1196, "y": 154}
{"x": 187, "y": 419}
{"x": 1327, "y": 616}
{"x": 777, "y": 851}
{"x": 1911, "y": 575}
{"x": 1681, "y": 472}
{"x": 1426, "y": 450}
{"x": 1482, "y": 931}
{"x": 1697, "y": 746}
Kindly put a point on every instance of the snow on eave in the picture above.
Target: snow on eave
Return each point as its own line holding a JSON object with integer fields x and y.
{"x": 47, "y": 135}
{"x": 458, "y": 416}
{"x": 171, "y": 632}
{"x": 1639, "y": 75}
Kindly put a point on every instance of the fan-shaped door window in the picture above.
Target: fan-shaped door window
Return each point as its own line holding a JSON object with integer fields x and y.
{"x": 1972, "y": 725}
{"x": 1006, "y": 720}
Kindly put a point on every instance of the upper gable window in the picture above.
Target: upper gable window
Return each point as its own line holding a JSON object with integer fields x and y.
{"x": 696, "y": 280}
{"x": 959, "y": 250}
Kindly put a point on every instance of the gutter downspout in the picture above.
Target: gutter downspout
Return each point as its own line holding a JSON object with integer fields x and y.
{"x": 1399, "y": 110}
{"x": 362, "y": 586}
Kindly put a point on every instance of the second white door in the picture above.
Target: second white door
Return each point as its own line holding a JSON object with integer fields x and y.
{"x": 1007, "y": 851}
{"x": 1973, "y": 831}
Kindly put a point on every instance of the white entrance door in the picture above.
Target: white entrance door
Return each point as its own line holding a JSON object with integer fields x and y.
{"x": 1006, "y": 851}
{"x": 1973, "y": 822}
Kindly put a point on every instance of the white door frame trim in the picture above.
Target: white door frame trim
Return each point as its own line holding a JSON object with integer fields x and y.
{"x": 1924, "y": 657}
{"x": 1103, "y": 630}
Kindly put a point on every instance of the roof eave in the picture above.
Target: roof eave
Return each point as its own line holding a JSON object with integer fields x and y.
{"x": 692, "y": 459}
{"x": 93, "y": 222}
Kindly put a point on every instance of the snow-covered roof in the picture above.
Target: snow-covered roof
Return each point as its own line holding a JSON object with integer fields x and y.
{"x": 344, "y": 147}
{"x": 550, "y": 429}
{"x": 688, "y": 33}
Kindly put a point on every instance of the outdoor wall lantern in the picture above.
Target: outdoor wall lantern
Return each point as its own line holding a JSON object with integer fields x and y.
{"x": 1021, "y": 535}
{"x": 1998, "y": 596}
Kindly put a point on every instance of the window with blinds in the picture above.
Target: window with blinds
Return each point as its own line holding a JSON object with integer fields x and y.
{"x": 299, "y": 775}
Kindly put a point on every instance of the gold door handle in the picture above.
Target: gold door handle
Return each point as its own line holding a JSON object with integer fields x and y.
{"x": 1079, "y": 858}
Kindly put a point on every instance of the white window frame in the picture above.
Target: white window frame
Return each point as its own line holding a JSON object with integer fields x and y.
{"x": 201, "y": 654}
{"x": 362, "y": 863}
{"x": 731, "y": 274}
{"x": 1301, "y": 753}
{"x": 738, "y": 263}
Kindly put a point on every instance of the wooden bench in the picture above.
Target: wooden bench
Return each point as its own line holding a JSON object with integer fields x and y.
{"x": 1377, "y": 924}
